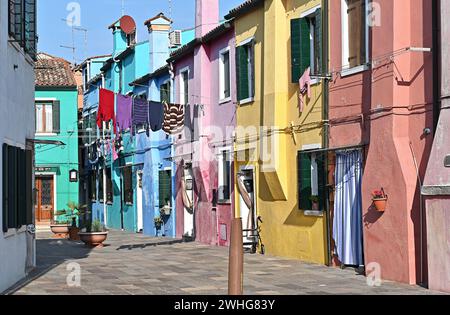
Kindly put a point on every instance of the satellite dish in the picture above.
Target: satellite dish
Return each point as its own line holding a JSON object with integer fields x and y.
{"x": 127, "y": 24}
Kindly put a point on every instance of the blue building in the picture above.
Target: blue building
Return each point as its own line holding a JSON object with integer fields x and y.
{"x": 124, "y": 193}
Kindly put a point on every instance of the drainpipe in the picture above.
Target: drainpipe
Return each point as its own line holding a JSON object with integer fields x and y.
{"x": 325, "y": 117}
{"x": 436, "y": 63}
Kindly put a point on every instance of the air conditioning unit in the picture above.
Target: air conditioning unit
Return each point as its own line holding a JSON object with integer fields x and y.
{"x": 175, "y": 39}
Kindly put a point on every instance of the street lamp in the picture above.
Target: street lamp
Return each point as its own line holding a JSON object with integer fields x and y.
{"x": 73, "y": 176}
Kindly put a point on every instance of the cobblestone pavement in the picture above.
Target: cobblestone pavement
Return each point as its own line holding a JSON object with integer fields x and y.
{"x": 134, "y": 264}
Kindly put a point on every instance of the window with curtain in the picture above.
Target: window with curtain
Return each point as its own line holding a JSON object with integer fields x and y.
{"x": 184, "y": 87}
{"x": 224, "y": 73}
{"x": 306, "y": 44}
{"x": 245, "y": 70}
{"x": 127, "y": 173}
{"x": 311, "y": 179}
{"x": 354, "y": 33}
{"x": 165, "y": 91}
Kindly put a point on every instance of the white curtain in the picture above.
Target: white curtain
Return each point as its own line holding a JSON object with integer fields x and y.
{"x": 347, "y": 223}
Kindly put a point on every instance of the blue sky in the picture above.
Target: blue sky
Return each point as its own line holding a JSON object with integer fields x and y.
{"x": 97, "y": 15}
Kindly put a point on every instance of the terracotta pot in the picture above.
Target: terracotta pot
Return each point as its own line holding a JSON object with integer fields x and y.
{"x": 315, "y": 206}
{"x": 60, "y": 231}
{"x": 380, "y": 204}
{"x": 93, "y": 239}
{"x": 73, "y": 234}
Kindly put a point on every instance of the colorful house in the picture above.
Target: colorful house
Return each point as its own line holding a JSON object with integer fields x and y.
{"x": 278, "y": 127}
{"x": 17, "y": 57}
{"x": 381, "y": 120}
{"x": 203, "y": 71}
{"x": 56, "y": 108}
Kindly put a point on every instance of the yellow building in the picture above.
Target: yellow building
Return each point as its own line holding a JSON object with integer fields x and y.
{"x": 276, "y": 42}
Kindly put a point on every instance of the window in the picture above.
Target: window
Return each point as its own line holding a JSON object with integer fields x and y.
{"x": 245, "y": 69}
{"x": 311, "y": 179}
{"x": 165, "y": 91}
{"x": 165, "y": 188}
{"x": 109, "y": 187}
{"x": 306, "y": 44}
{"x": 184, "y": 87}
{"x": 224, "y": 73}
{"x": 101, "y": 197}
{"x": 22, "y": 24}
{"x": 47, "y": 117}
{"x": 224, "y": 177}
{"x": 127, "y": 173}
{"x": 131, "y": 39}
{"x": 17, "y": 187}
{"x": 355, "y": 31}
{"x": 93, "y": 186}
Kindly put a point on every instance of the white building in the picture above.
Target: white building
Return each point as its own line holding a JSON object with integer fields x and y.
{"x": 17, "y": 127}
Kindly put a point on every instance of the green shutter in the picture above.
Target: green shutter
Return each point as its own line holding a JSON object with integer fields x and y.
{"x": 318, "y": 40}
{"x": 12, "y": 190}
{"x": 165, "y": 188}
{"x": 29, "y": 186}
{"x": 5, "y": 201}
{"x": 21, "y": 188}
{"x": 242, "y": 72}
{"x": 322, "y": 179}
{"x": 300, "y": 47}
{"x": 304, "y": 181}
{"x": 56, "y": 111}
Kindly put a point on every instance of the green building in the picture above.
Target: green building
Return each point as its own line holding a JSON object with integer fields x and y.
{"x": 56, "y": 103}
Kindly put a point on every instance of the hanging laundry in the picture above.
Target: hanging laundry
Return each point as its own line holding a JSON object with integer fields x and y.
{"x": 115, "y": 156}
{"x": 124, "y": 110}
{"x": 305, "y": 87}
{"x": 106, "y": 108}
{"x": 156, "y": 116}
{"x": 140, "y": 115}
{"x": 173, "y": 118}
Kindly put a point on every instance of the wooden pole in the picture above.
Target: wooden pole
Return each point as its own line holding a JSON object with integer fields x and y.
{"x": 236, "y": 260}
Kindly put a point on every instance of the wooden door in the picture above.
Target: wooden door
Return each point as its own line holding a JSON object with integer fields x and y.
{"x": 44, "y": 199}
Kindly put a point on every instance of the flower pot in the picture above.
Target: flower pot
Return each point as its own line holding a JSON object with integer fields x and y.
{"x": 315, "y": 206}
{"x": 73, "y": 233}
{"x": 380, "y": 204}
{"x": 60, "y": 230}
{"x": 93, "y": 239}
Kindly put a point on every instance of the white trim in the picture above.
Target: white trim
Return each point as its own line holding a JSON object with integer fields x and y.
{"x": 182, "y": 83}
{"x": 314, "y": 146}
{"x": 225, "y": 100}
{"x": 354, "y": 70}
{"x": 310, "y": 11}
{"x": 313, "y": 213}
{"x": 222, "y": 52}
{"x": 46, "y": 134}
{"x": 45, "y": 99}
{"x": 246, "y": 41}
{"x": 247, "y": 101}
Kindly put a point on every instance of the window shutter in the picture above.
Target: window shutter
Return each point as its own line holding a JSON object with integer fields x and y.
{"x": 318, "y": 40}
{"x": 100, "y": 186}
{"x": 5, "y": 201}
{"x": 56, "y": 110}
{"x": 251, "y": 59}
{"x": 21, "y": 188}
{"x": 355, "y": 30}
{"x": 165, "y": 188}
{"x": 242, "y": 71}
{"x": 128, "y": 185}
{"x": 109, "y": 186}
{"x": 12, "y": 190}
{"x": 304, "y": 181}
{"x": 300, "y": 47}
{"x": 322, "y": 178}
{"x": 29, "y": 186}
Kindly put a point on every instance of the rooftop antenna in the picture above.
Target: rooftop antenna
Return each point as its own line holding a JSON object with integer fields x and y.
{"x": 73, "y": 47}
{"x": 123, "y": 7}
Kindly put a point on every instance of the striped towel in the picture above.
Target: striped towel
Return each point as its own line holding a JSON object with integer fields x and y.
{"x": 173, "y": 118}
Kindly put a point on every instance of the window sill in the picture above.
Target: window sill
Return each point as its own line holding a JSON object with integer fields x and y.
{"x": 247, "y": 101}
{"x": 313, "y": 213}
{"x": 224, "y": 202}
{"x": 225, "y": 100}
{"x": 46, "y": 134}
{"x": 354, "y": 70}
{"x": 14, "y": 232}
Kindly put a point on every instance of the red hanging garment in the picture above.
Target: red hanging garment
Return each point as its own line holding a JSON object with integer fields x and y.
{"x": 106, "y": 108}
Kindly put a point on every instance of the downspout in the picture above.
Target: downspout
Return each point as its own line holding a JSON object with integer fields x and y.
{"x": 325, "y": 117}
{"x": 436, "y": 63}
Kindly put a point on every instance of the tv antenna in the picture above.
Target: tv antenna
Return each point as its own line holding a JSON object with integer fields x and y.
{"x": 73, "y": 47}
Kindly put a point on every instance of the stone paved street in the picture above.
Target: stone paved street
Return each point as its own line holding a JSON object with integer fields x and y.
{"x": 131, "y": 264}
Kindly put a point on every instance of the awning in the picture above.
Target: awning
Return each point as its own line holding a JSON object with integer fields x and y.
{"x": 47, "y": 142}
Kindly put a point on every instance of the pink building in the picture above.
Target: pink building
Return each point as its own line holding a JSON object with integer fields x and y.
{"x": 380, "y": 106}
{"x": 204, "y": 72}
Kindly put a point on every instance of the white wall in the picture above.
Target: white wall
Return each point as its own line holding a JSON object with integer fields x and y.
{"x": 16, "y": 125}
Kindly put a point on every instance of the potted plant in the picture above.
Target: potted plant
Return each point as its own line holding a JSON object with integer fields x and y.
{"x": 60, "y": 226}
{"x": 74, "y": 216}
{"x": 315, "y": 200}
{"x": 95, "y": 235}
{"x": 165, "y": 211}
{"x": 379, "y": 199}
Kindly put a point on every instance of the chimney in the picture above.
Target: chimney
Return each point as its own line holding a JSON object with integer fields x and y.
{"x": 158, "y": 29}
{"x": 206, "y": 16}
